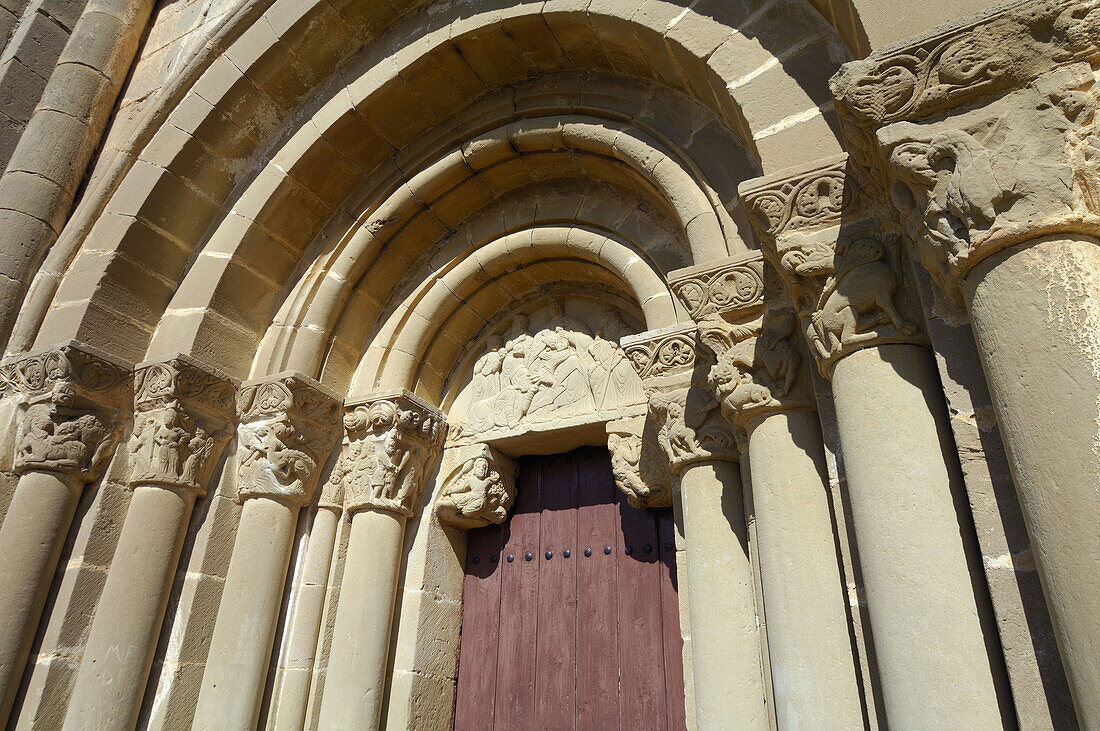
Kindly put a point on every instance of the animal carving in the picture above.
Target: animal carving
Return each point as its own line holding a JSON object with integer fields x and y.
{"x": 856, "y": 297}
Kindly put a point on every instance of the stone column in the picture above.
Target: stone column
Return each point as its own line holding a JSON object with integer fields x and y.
{"x": 70, "y": 399}
{"x": 926, "y": 600}
{"x": 394, "y": 440}
{"x": 181, "y": 414}
{"x": 996, "y": 180}
{"x": 699, "y": 444}
{"x": 288, "y": 425}
{"x": 762, "y": 382}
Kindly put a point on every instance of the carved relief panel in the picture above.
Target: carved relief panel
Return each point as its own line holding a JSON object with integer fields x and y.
{"x": 567, "y": 369}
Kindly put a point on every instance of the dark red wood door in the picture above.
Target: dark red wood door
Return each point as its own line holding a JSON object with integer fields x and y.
{"x": 570, "y": 617}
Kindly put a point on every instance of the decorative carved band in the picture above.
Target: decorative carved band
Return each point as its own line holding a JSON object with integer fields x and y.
{"x": 70, "y": 398}
{"x": 480, "y": 491}
{"x": 288, "y": 425}
{"x": 393, "y": 440}
{"x": 182, "y": 416}
{"x": 665, "y": 352}
{"x": 805, "y": 199}
{"x": 640, "y": 467}
{"x": 968, "y": 60}
{"x": 760, "y": 370}
{"x": 735, "y": 284}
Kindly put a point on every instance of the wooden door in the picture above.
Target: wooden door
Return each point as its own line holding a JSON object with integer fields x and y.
{"x": 570, "y": 617}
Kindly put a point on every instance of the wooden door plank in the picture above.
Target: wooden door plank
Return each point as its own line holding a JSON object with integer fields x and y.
{"x": 515, "y": 694}
{"x": 477, "y": 676}
{"x": 597, "y": 598}
{"x": 556, "y": 663}
{"x": 670, "y": 621}
{"x": 641, "y": 647}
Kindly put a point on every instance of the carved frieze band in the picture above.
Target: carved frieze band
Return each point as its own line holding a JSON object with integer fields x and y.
{"x": 183, "y": 416}
{"x": 665, "y": 352}
{"x": 393, "y": 441}
{"x": 735, "y": 284}
{"x": 288, "y": 425}
{"x": 966, "y": 61}
{"x": 480, "y": 490}
{"x": 841, "y": 267}
{"x": 639, "y": 465}
{"x": 70, "y": 399}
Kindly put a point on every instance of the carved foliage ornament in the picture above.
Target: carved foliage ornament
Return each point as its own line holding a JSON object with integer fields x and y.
{"x": 393, "y": 441}
{"x": 480, "y": 491}
{"x": 808, "y": 200}
{"x": 638, "y": 463}
{"x": 288, "y": 425}
{"x": 182, "y": 413}
{"x": 664, "y": 352}
{"x": 734, "y": 284}
{"x": 70, "y": 398}
{"x": 990, "y": 53}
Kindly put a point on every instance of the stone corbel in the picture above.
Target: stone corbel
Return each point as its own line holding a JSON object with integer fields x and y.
{"x": 687, "y": 420}
{"x": 640, "y": 467}
{"x": 841, "y": 267}
{"x": 480, "y": 490}
{"x": 982, "y": 134}
{"x": 288, "y": 425}
{"x": 71, "y": 401}
{"x": 183, "y": 419}
{"x": 393, "y": 441}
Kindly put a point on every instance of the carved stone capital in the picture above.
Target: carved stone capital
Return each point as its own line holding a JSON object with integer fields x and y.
{"x": 288, "y": 424}
{"x": 690, "y": 427}
{"x": 640, "y": 466}
{"x": 760, "y": 368}
{"x": 480, "y": 490}
{"x": 735, "y": 284}
{"x": 842, "y": 268}
{"x": 982, "y": 134}
{"x": 1024, "y": 166}
{"x": 393, "y": 440}
{"x": 183, "y": 417}
{"x": 70, "y": 398}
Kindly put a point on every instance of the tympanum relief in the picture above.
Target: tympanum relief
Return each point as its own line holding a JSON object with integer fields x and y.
{"x": 565, "y": 372}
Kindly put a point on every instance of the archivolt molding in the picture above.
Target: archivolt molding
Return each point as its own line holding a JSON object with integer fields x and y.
{"x": 166, "y": 171}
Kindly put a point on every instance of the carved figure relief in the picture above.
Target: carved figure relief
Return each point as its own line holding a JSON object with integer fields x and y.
{"x": 57, "y": 437}
{"x": 480, "y": 492}
{"x": 288, "y": 425}
{"x": 392, "y": 442}
{"x": 640, "y": 468}
{"x": 848, "y": 292}
{"x": 689, "y": 427}
{"x": 562, "y": 371}
{"x": 759, "y": 368}
{"x": 180, "y": 424}
{"x": 70, "y": 398}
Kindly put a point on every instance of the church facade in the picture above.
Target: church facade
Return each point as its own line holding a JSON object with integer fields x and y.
{"x": 549, "y": 364}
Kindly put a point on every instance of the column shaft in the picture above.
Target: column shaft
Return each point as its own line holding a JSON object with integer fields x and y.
{"x": 31, "y": 540}
{"x": 726, "y": 662}
{"x": 289, "y": 713}
{"x": 813, "y": 671}
{"x": 115, "y": 668}
{"x": 356, "y": 677}
{"x": 1035, "y": 311}
{"x": 240, "y": 649}
{"x": 903, "y": 481}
